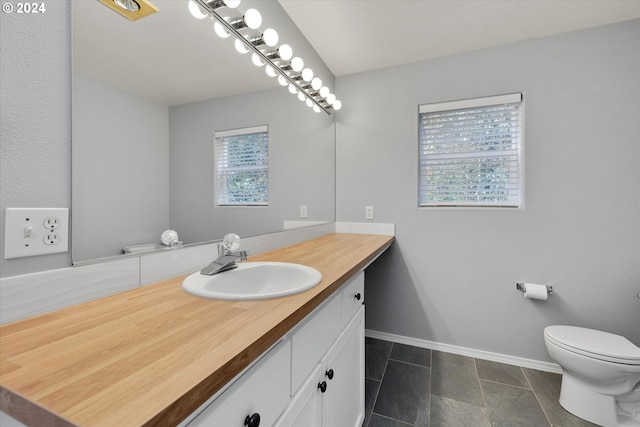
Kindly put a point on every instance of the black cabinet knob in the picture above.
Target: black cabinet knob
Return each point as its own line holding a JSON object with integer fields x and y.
{"x": 358, "y": 296}
{"x": 329, "y": 374}
{"x": 252, "y": 420}
{"x": 322, "y": 386}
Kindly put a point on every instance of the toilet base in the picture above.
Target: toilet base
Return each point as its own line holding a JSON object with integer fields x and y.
{"x": 582, "y": 401}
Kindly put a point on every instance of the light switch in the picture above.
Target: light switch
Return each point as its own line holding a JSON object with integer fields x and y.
{"x": 35, "y": 231}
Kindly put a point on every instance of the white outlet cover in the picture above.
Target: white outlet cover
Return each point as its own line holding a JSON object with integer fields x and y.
{"x": 18, "y": 243}
{"x": 368, "y": 212}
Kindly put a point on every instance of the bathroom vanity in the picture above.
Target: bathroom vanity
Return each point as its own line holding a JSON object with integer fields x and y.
{"x": 159, "y": 356}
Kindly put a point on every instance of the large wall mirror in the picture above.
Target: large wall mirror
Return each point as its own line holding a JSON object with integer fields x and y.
{"x": 148, "y": 97}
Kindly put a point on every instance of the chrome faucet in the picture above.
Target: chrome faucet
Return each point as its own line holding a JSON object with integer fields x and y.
{"x": 227, "y": 259}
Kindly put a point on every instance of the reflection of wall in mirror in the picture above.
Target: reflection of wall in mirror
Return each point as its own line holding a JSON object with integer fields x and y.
{"x": 120, "y": 169}
{"x": 143, "y": 168}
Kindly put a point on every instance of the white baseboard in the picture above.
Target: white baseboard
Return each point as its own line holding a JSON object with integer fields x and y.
{"x": 463, "y": 351}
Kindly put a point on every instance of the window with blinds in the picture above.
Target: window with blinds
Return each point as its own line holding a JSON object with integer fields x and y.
{"x": 241, "y": 159}
{"x": 470, "y": 152}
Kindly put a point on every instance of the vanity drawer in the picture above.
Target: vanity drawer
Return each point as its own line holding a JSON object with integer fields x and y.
{"x": 312, "y": 340}
{"x": 263, "y": 389}
{"x": 352, "y": 298}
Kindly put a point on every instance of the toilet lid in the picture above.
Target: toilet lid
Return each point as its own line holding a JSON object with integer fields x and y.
{"x": 596, "y": 344}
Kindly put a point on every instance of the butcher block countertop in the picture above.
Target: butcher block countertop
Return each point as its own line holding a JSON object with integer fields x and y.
{"x": 153, "y": 355}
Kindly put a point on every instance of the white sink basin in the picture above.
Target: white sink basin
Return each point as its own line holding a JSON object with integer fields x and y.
{"x": 254, "y": 280}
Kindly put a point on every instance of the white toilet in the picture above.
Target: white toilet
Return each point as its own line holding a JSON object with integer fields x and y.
{"x": 600, "y": 374}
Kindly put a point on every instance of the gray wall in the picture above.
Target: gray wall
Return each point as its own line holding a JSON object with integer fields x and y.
{"x": 120, "y": 169}
{"x": 301, "y": 164}
{"x": 35, "y": 120}
{"x": 451, "y": 276}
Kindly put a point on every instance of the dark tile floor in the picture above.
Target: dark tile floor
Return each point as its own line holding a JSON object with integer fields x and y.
{"x": 411, "y": 386}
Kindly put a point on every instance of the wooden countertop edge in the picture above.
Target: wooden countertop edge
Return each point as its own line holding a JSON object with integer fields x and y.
{"x": 31, "y": 413}
{"x": 191, "y": 401}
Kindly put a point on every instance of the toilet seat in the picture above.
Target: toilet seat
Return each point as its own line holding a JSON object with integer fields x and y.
{"x": 595, "y": 344}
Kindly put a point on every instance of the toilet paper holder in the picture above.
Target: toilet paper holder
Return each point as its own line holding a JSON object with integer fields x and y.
{"x": 521, "y": 288}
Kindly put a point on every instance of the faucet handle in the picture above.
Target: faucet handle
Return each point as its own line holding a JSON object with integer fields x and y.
{"x": 231, "y": 242}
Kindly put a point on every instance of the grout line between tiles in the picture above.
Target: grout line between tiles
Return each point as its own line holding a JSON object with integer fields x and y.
{"x": 390, "y": 418}
{"x": 408, "y": 363}
{"x": 505, "y": 384}
{"x": 484, "y": 400}
{"x": 537, "y": 399}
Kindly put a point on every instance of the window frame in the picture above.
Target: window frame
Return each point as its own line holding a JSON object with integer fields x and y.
{"x": 513, "y": 98}
{"x": 217, "y": 185}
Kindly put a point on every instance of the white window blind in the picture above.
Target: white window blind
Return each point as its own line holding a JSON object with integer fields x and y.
{"x": 242, "y": 167}
{"x": 470, "y": 152}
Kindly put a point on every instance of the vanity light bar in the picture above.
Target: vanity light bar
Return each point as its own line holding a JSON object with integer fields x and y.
{"x": 300, "y": 86}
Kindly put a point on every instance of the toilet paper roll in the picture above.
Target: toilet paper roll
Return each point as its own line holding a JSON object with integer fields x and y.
{"x": 535, "y": 291}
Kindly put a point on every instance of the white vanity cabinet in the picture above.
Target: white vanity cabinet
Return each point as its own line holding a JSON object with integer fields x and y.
{"x": 257, "y": 397}
{"x": 314, "y": 377}
{"x": 332, "y": 392}
{"x": 343, "y": 367}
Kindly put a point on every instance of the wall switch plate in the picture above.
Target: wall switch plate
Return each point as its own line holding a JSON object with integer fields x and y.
{"x": 368, "y": 212}
{"x": 35, "y": 231}
{"x": 303, "y": 211}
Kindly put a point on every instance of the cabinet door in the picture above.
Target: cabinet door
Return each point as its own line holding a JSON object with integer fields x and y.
{"x": 264, "y": 389}
{"x": 304, "y": 409}
{"x": 343, "y": 366}
{"x": 352, "y": 298}
{"x": 313, "y": 339}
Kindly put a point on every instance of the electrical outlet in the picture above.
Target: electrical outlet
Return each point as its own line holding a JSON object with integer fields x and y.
{"x": 51, "y": 239}
{"x": 52, "y": 223}
{"x": 368, "y": 212}
{"x": 35, "y": 231}
{"x": 303, "y": 211}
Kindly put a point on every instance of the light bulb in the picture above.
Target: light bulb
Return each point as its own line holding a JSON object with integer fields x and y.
{"x": 292, "y": 89}
{"x": 331, "y": 98}
{"x": 285, "y": 52}
{"x": 316, "y": 108}
{"x": 297, "y": 64}
{"x": 240, "y": 47}
{"x": 337, "y": 105}
{"x": 196, "y": 10}
{"x": 310, "y": 103}
{"x": 253, "y": 19}
{"x": 128, "y": 5}
{"x": 270, "y": 37}
{"x": 232, "y": 3}
{"x": 316, "y": 83}
{"x": 257, "y": 61}
{"x": 270, "y": 71}
{"x": 302, "y": 97}
{"x": 282, "y": 80}
{"x": 220, "y": 30}
{"x": 307, "y": 74}
{"x": 324, "y": 91}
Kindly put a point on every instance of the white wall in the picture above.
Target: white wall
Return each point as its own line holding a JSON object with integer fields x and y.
{"x": 35, "y": 127}
{"x": 451, "y": 276}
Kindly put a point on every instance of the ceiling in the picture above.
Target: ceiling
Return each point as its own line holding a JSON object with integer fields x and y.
{"x": 183, "y": 61}
{"x": 359, "y": 35}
